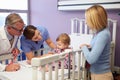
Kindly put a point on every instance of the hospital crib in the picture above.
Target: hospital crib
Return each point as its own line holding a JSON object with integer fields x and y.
{"x": 59, "y": 74}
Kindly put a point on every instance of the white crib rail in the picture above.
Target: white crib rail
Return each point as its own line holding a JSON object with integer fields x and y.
{"x": 36, "y": 62}
{"x": 4, "y": 57}
{"x": 8, "y": 58}
{"x": 113, "y": 41}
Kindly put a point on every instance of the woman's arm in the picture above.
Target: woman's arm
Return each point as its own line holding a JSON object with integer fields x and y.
{"x": 99, "y": 45}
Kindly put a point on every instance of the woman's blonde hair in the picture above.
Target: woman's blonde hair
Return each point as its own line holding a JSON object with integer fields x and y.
{"x": 96, "y": 17}
{"x": 12, "y": 18}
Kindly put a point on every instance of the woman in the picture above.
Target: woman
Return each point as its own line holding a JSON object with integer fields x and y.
{"x": 32, "y": 40}
{"x": 98, "y": 57}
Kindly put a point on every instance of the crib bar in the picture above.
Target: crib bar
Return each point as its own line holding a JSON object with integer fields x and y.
{"x": 69, "y": 66}
{"x": 20, "y": 56}
{"x": 62, "y": 67}
{"x": 34, "y": 73}
{"x": 44, "y": 50}
{"x": 72, "y": 26}
{"x": 76, "y": 24}
{"x": 81, "y": 28}
{"x": 50, "y": 72}
{"x": 114, "y": 30}
{"x": 83, "y": 76}
{"x": 79, "y": 60}
{"x": 113, "y": 42}
{"x": 43, "y": 72}
{"x": 86, "y": 30}
{"x": 56, "y": 70}
{"x": 73, "y": 67}
{"x": 9, "y": 61}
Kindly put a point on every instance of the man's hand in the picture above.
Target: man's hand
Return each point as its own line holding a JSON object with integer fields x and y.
{"x": 15, "y": 51}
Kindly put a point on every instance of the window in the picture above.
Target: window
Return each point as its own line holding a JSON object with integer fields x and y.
{"x": 17, "y": 6}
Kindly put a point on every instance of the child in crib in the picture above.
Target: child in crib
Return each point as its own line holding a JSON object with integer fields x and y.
{"x": 62, "y": 43}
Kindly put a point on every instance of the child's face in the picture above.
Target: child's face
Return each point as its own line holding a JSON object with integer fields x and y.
{"x": 61, "y": 45}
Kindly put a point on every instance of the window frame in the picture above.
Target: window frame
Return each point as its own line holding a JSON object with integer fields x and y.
{"x": 19, "y": 11}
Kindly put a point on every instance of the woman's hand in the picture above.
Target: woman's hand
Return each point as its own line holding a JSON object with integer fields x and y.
{"x": 85, "y": 45}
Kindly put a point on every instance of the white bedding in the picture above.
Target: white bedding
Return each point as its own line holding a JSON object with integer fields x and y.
{"x": 25, "y": 73}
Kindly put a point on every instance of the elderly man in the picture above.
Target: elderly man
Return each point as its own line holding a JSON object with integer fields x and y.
{"x": 8, "y": 37}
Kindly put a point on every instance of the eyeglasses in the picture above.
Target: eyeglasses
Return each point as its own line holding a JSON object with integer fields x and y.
{"x": 17, "y": 29}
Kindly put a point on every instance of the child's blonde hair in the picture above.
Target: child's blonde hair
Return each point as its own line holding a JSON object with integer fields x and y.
{"x": 64, "y": 38}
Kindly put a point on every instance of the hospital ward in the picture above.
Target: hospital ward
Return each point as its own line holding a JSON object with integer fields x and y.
{"x": 59, "y": 40}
